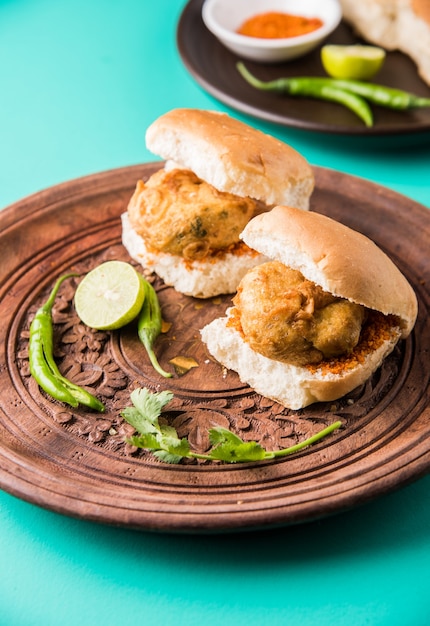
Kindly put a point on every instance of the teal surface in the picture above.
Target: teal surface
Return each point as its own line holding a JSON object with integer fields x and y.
{"x": 79, "y": 83}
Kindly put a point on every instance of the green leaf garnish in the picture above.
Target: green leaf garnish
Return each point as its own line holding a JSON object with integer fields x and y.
{"x": 150, "y": 404}
{"x": 148, "y": 441}
{"x": 165, "y": 444}
{"x": 220, "y": 435}
{"x": 231, "y": 453}
{"x": 168, "y": 457}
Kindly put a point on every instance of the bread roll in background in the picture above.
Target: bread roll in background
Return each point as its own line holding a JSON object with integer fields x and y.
{"x": 395, "y": 25}
{"x": 232, "y": 158}
{"x": 344, "y": 263}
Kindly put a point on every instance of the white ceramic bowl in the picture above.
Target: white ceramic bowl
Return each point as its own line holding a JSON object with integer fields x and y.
{"x": 224, "y": 17}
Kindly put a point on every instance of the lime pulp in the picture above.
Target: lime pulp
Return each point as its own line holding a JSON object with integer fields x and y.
{"x": 110, "y": 296}
{"x": 356, "y": 62}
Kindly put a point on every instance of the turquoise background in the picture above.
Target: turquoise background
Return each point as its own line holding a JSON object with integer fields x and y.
{"x": 79, "y": 83}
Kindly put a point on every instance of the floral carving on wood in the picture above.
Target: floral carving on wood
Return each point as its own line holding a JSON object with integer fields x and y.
{"x": 112, "y": 364}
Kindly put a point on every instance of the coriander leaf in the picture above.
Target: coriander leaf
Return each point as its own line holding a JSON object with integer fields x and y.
{"x": 242, "y": 453}
{"x": 146, "y": 440}
{"x": 167, "y": 457}
{"x": 251, "y": 451}
{"x": 219, "y": 435}
{"x": 165, "y": 444}
{"x": 139, "y": 421}
{"x": 168, "y": 431}
{"x": 175, "y": 445}
{"x": 150, "y": 404}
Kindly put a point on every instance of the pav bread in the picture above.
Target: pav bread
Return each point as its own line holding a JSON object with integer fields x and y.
{"x": 394, "y": 24}
{"x": 184, "y": 222}
{"x": 336, "y": 280}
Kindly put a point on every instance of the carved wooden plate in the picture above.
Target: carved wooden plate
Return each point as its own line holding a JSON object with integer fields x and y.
{"x": 76, "y": 462}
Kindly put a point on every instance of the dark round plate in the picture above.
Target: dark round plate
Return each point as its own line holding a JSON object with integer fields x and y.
{"x": 76, "y": 462}
{"x": 214, "y": 67}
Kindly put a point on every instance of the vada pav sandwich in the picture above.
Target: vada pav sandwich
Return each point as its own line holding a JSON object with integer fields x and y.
{"x": 317, "y": 320}
{"x": 184, "y": 222}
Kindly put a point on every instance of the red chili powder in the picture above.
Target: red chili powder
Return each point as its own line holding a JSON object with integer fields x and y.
{"x": 273, "y": 25}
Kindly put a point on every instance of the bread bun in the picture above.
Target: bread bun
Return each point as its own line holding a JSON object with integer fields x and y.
{"x": 394, "y": 24}
{"x": 292, "y": 386}
{"x": 232, "y": 156}
{"x": 341, "y": 261}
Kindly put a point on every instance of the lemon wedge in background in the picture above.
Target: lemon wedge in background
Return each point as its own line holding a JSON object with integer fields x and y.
{"x": 110, "y": 296}
{"x": 352, "y": 62}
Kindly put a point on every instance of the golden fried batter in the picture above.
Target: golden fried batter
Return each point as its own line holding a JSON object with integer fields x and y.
{"x": 178, "y": 213}
{"x": 288, "y": 318}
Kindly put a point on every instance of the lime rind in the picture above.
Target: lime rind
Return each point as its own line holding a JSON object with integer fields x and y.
{"x": 110, "y": 296}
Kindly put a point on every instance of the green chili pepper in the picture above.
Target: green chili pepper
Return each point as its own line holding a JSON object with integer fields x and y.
{"x": 149, "y": 325}
{"x": 42, "y": 364}
{"x": 330, "y": 88}
{"x": 381, "y": 95}
{"x": 322, "y": 89}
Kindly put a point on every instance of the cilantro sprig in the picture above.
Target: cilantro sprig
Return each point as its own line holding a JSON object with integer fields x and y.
{"x": 164, "y": 443}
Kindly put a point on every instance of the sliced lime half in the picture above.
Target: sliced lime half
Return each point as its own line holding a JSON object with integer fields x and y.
{"x": 352, "y": 62}
{"x": 110, "y": 296}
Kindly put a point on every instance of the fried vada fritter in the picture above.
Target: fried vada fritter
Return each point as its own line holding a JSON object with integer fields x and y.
{"x": 178, "y": 213}
{"x": 288, "y": 318}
